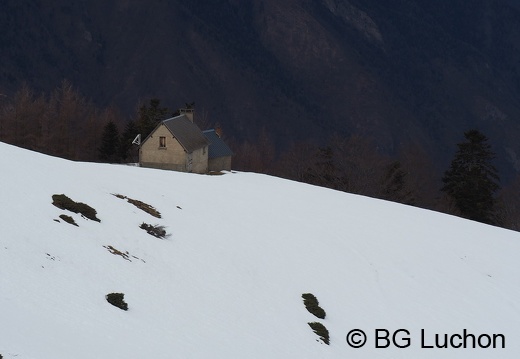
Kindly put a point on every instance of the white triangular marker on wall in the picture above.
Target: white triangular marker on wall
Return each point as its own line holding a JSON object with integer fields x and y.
{"x": 137, "y": 140}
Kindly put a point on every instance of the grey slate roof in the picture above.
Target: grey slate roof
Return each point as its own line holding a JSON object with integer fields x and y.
{"x": 186, "y": 132}
{"x": 217, "y": 147}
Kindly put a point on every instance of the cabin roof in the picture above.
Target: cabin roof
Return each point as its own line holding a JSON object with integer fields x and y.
{"x": 186, "y": 132}
{"x": 217, "y": 147}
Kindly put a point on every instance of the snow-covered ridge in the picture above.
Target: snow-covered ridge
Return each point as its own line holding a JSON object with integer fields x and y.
{"x": 227, "y": 282}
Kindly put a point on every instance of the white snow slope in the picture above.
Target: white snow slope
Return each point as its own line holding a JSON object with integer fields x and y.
{"x": 227, "y": 282}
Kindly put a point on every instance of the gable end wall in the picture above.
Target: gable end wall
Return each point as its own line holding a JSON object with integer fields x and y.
{"x": 172, "y": 157}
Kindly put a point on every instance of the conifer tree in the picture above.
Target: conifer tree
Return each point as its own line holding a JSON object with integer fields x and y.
{"x": 472, "y": 180}
{"x": 148, "y": 117}
{"x": 108, "y": 151}
{"x": 125, "y": 145}
{"x": 394, "y": 185}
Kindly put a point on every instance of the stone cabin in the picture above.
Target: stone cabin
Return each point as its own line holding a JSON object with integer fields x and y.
{"x": 179, "y": 144}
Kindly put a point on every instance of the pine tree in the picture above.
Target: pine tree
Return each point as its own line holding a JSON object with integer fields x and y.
{"x": 150, "y": 116}
{"x": 394, "y": 185}
{"x": 109, "y": 143}
{"x": 472, "y": 180}
{"x": 125, "y": 145}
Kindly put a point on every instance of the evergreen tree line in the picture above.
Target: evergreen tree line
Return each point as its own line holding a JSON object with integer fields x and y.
{"x": 67, "y": 125}
{"x": 469, "y": 188}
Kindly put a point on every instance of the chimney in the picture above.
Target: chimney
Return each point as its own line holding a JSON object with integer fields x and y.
{"x": 218, "y": 130}
{"x": 188, "y": 112}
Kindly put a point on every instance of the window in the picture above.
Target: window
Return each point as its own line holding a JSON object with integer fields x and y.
{"x": 204, "y": 150}
{"x": 162, "y": 142}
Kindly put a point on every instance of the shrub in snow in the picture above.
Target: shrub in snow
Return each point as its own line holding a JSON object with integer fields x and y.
{"x": 313, "y": 306}
{"x": 141, "y": 205}
{"x": 69, "y": 220}
{"x": 321, "y": 331}
{"x": 63, "y": 202}
{"x": 118, "y": 252}
{"x": 155, "y": 230}
{"x": 117, "y": 300}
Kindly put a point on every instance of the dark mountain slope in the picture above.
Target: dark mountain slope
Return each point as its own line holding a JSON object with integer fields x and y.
{"x": 400, "y": 71}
